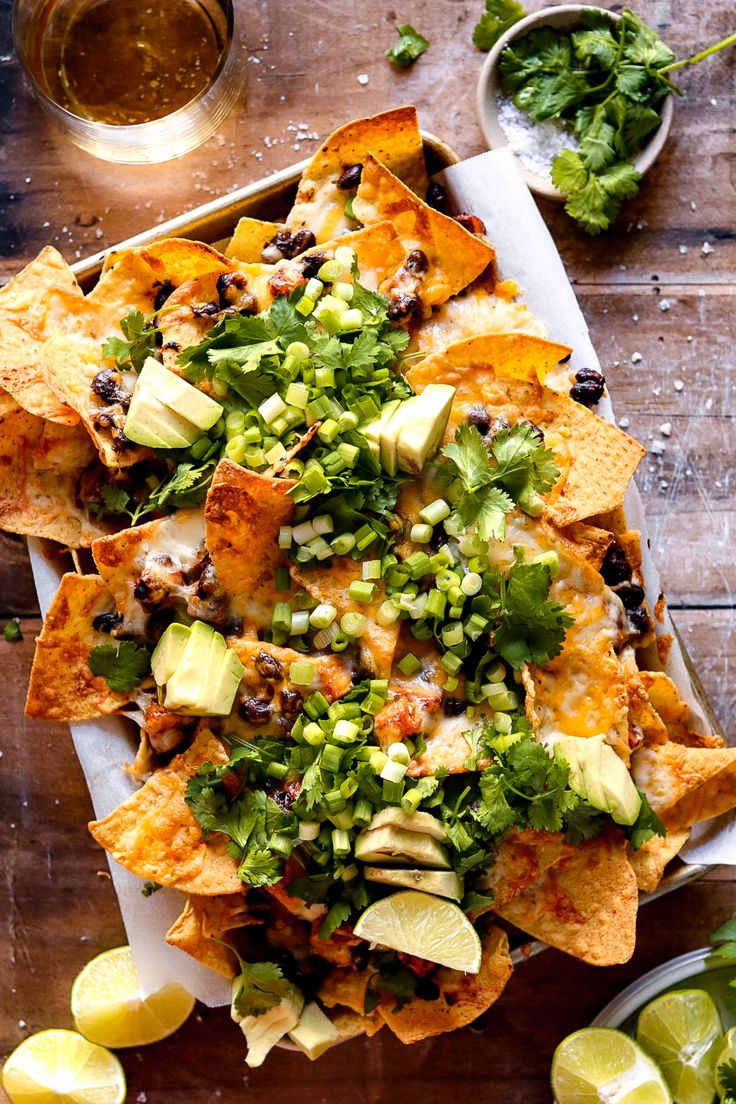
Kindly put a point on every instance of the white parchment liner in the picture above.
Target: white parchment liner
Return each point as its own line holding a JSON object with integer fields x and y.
{"x": 491, "y": 187}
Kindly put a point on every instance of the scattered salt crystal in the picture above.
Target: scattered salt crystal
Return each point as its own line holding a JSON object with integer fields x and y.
{"x": 657, "y": 448}
{"x": 362, "y": 78}
{"x": 624, "y": 422}
{"x": 664, "y": 304}
{"x": 713, "y": 102}
{"x": 21, "y": 1024}
{"x": 657, "y": 391}
{"x": 707, "y": 248}
{"x": 28, "y": 180}
{"x": 636, "y": 358}
{"x": 663, "y": 484}
{"x": 679, "y": 385}
{"x": 683, "y": 249}
{"x": 693, "y": 205}
{"x": 635, "y": 317}
{"x": 666, "y": 429}
{"x": 689, "y": 337}
{"x": 616, "y": 363}
{"x": 535, "y": 144}
{"x": 708, "y": 406}
{"x": 622, "y": 268}
{"x": 701, "y": 293}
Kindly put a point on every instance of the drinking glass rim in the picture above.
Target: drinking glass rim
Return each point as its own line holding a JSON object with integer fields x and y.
{"x": 127, "y": 129}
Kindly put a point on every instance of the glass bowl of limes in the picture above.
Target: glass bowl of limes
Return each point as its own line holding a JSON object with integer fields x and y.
{"x": 669, "y": 1037}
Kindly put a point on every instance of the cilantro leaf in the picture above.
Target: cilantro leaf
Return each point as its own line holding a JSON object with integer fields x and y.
{"x": 140, "y": 341}
{"x": 569, "y": 173}
{"x": 123, "y": 667}
{"x": 646, "y": 826}
{"x": 583, "y": 823}
{"x": 487, "y": 510}
{"x": 260, "y": 867}
{"x": 726, "y": 931}
{"x": 12, "y": 632}
{"x": 337, "y": 915}
{"x": 726, "y": 1080}
{"x": 397, "y": 979}
{"x": 524, "y": 461}
{"x": 498, "y": 17}
{"x": 470, "y": 457}
{"x": 410, "y": 46}
{"x": 258, "y": 987}
{"x": 531, "y": 629}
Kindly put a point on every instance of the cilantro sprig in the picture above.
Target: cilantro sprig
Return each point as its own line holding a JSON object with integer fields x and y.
{"x": 259, "y": 986}
{"x": 184, "y": 485}
{"x": 123, "y": 667}
{"x": 410, "y": 46}
{"x": 140, "y": 335}
{"x": 499, "y": 17}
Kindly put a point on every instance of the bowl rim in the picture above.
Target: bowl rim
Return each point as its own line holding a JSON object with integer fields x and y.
{"x": 486, "y": 109}
{"x": 654, "y": 983}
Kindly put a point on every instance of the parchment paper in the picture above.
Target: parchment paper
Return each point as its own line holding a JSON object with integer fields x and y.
{"x": 491, "y": 187}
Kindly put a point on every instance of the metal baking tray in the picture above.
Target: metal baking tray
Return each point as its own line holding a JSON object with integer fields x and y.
{"x": 271, "y": 198}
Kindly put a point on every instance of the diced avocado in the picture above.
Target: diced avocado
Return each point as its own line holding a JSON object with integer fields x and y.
{"x": 372, "y": 430}
{"x": 168, "y": 652}
{"x": 224, "y": 685}
{"x": 599, "y": 776}
{"x": 424, "y": 823}
{"x": 178, "y": 395}
{"x": 423, "y": 421}
{"x": 184, "y": 687}
{"x": 149, "y": 422}
{"x": 315, "y": 1033}
{"x": 442, "y": 883}
{"x": 396, "y": 846}
{"x": 264, "y": 1031}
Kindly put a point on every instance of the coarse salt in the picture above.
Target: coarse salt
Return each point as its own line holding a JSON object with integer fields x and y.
{"x": 664, "y": 304}
{"x": 636, "y": 358}
{"x": 679, "y": 385}
{"x": 666, "y": 429}
{"x": 707, "y": 248}
{"x": 535, "y": 144}
{"x": 657, "y": 448}
{"x": 362, "y": 78}
{"x": 624, "y": 422}
{"x": 683, "y": 249}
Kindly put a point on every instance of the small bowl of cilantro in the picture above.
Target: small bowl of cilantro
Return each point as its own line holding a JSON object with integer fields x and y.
{"x": 582, "y": 96}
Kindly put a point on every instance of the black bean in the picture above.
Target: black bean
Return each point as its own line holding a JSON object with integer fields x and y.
{"x": 589, "y": 387}
{"x": 291, "y": 702}
{"x": 255, "y": 710}
{"x": 268, "y": 667}
{"x": 232, "y": 287}
{"x": 631, "y": 594}
{"x": 436, "y": 196}
{"x": 639, "y": 621}
{"x": 479, "y": 417}
{"x": 350, "y": 177}
{"x": 162, "y": 294}
{"x": 207, "y": 582}
{"x": 417, "y": 262}
{"x": 206, "y": 310}
{"x": 106, "y": 622}
{"x": 615, "y": 567}
{"x": 471, "y": 223}
{"x": 401, "y": 306}
{"x": 453, "y": 707}
{"x": 106, "y": 384}
{"x": 312, "y": 264}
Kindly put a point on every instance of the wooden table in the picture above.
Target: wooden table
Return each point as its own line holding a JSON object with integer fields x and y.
{"x": 647, "y": 288}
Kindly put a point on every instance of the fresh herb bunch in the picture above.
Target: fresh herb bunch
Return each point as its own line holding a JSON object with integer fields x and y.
{"x": 606, "y": 81}
{"x": 410, "y": 46}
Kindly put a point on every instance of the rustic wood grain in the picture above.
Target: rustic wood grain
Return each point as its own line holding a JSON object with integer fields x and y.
{"x": 59, "y": 906}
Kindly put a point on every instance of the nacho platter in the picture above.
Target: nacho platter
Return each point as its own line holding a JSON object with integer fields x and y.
{"x": 82, "y": 598}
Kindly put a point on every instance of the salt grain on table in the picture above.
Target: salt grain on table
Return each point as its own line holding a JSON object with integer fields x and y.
{"x": 535, "y": 144}
{"x": 636, "y": 358}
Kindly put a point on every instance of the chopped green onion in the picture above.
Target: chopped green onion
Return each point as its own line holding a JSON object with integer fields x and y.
{"x": 313, "y": 288}
{"x": 471, "y": 545}
{"x": 343, "y": 819}
{"x": 343, "y": 290}
{"x": 504, "y": 702}
{"x": 446, "y": 579}
{"x": 330, "y": 761}
{"x": 299, "y": 623}
{"x": 398, "y": 753}
{"x": 353, "y": 624}
{"x": 305, "y": 306}
{"x": 436, "y": 603}
{"x": 475, "y": 625}
{"x": 271, "y": 408}
{"x": 387, "y": 614}
{"x": 220, "y": 388}
{"x": 342, "y": 544}
{"x": 298, "y": 349}
{"x": 392, "y": 792}
{"x": 478, "y": 564}
{"x": 531, "y": 502}
{"x": 252, "y": 435}
{"x": 348, "y": 787}
{"x": 302, "y": 674}
{"x": 421, "y": 534}
{"x": 451, "y": 683}
{"x": 378, "y": 761}
{"x": 303, "y": 533}
{"x": 330, "y": 271}
{"x": 346, "y": 731}
{"x": 455, "y": 596}
{"x": 471, "y": 583}
{"x": 328, "y": 431}
{"x": 281, "y": 617}
{"x": 322, "y": 524}
{"x": 297, "y": 394}
{"x": 365, "y": 537}
{"x": 451, "y": 663}
{"x": 393, "y": 771}
{"x": 324, "y": 637}
{"x": 363, "y": 812}
{"x": 349, "y": 453}
{"x": 322, "y": 616}
{"x": 308, "y": 829}
{"x": 340, "y": 842}
{"x": 200, "y": 448}
{"x": 313, "y": 734}
{"x": 371, "y": 569}
{"x": 435, "y": 512}
{"x": 452, "y": 634}
{"x": 490, "y": 689}
{"x": 361, "y": 591}
{"x": 496, "y": 673}
{"x": 234, "y": 423}
{"x": 351, "y": 319}
{"x": 551, "y": 560}
{"x": 345, "y": 256}
{"x": 274, "y": 454}
{"x": 235, "y": 449}
{"x": 410, "y": 665}
{"x": 417, "y": 565}
{"x": 340, "y": 642}
{"x": 502, "y": 723}
{"x": 347, "y": 420}
{"x": 410, "y": 801}
{"x": 316, "y": 705}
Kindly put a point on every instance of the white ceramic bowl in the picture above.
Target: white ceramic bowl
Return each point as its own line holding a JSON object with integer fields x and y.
{"x": 563, "y": 18}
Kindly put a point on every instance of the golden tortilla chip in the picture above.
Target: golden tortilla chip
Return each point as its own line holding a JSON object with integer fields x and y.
{"x": 649, "y": 861}
{"x": 40, "y": 468}
{"x": 351, "y": 1024}
{"x": 173, "y": 260}
{"x": 330, "y": 584}
{"x": 154, "y": 835}
{"x": 645, "y": 724}
{"x": 160, "y": 555}
{"x": 43, "y": 299}
{"x": 132, "y": 283}
{"x": 478, "y": 310}
{"x": 462, "y": 997}
{"x": 250, "y": 238}
{"x": 454, "y": 256}
{"x": 391, "y": 136}
{"x": 522, "y": 859}
{"x": 243, "y": 515}
{"x": 674, "y": 712}
{"x": 378, "y": 250}
{"x": 62, "y": 687}
{"x": 585, "y": 904}
{"x": 685, "y": 785}
{"x": 500, "y": 371}
{"x": 206, "y": 920}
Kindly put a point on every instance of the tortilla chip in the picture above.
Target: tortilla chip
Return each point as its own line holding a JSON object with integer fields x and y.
{"x": 43, "y": 299}
{"x": 250, "y": 238}
{"x": 685, "y": 785}
{"x": 330, "y": 584}
{"x": 351, "y": 1024}
{"x": 243, "y": 515}
{"x": 645, "y": 724}
{"x": 8, "y": 404}
{"x": 522, "y": 859}
{"x": 378, "y": 250}
{"x": 462, "y": 997}
{"x": 585, "y": 904}
{"x": 674, "y": 712}
{"x": 455, "y": 256}
{"x": 649, "y": 861}
{"x": 40, "y": 468}
{"x": 62, "y": 687}
{"x": 392, "y": 136}
{"x": 478, "y": 310}
{"x": 206, "y": 920}
{"x": 162, "y": 552}
{"x": 173, "y": 260}
{"x": 70, "y": 364}
{"x": 154, "y": 835}
{"x": 132, "y": 283}
{"x": 501, "y": 371}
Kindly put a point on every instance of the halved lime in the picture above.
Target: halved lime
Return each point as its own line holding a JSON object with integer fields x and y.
{"x": 598, "y": 1065}
{"x": 425, "y": 926}
{"x": 60, "y": 1067}
{"x": 726, "y": 1054}
{"x": 109, "y": 1008}
{"x": 682, "y": 1031}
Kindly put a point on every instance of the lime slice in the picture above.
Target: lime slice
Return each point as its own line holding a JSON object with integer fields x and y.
{"x": 682, "y": 1031}
{"x": 425, "y": 926}
{"x": 726, "y": 1054}
{"x": 60, "y": 1067}
{"x": 109, "y": 1008}
{"x": 598, "y": 1065}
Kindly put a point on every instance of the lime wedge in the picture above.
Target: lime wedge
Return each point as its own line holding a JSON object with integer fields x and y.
{"x": 109, "y": 1008}
{"x": 726, "y": 1054}
{"x": 682, "y": 1032}
{"x": 60, "y": 1067}
{"x": 425, "y": 926}
{"x": 598, "y": 1065}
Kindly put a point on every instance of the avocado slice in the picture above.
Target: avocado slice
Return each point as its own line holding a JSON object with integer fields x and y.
{"x": 224, "y": 686}
{"x": 423, "y": 423}
{"x": 315, "y": 1033}
{"x": 168, "y": 652}
{"x": 264, "y": 1031}
{"x": 442, "y": 883}
{"x": 396, "y": 846}
{"x": 599, "y": 776}
{"x": 179, "y": 395}
{"x": 149, "y": 422}
{"x": 372, "y": 430}
{"x": 410, "y": 822}
{"x": 188, "y": 684}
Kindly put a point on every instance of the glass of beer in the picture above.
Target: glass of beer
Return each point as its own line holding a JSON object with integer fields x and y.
{"x": 138, "y": 81}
